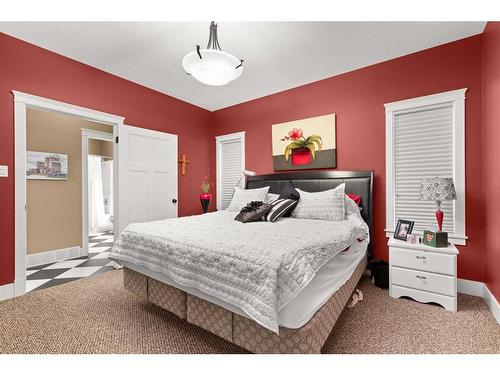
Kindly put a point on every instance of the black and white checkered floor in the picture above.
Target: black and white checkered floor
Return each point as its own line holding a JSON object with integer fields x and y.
{"x": 97, "y": 262}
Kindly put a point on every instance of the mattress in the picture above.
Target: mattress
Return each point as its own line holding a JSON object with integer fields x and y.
{"x": 301, "y": 309}
{"x": 258, "y": 267}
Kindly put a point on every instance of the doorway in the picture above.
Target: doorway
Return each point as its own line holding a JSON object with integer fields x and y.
{"x": 98, "y": 193}
{"x": 22, "y": 103}
{"x": 144, "y": 180}
{"x": 55, "y": 190}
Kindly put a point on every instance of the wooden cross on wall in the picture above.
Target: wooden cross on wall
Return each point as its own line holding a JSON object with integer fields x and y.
{"x": 183, "y": 162}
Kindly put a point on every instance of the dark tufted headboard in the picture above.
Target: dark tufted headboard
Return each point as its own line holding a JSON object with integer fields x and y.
{"x": 356, "y": 182}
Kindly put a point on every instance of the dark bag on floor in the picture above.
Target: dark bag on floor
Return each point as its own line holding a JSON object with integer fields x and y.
{"x": 380, "y": 273}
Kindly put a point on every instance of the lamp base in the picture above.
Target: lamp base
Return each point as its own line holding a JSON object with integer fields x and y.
{"x": 439, "y": 218}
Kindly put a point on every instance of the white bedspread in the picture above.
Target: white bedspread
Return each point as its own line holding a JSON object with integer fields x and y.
{"x": 259, "y": 267}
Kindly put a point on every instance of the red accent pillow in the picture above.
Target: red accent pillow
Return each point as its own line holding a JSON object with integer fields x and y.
{"x": 356, "y": 198}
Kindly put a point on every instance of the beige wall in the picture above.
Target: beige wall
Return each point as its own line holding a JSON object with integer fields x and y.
{"x": 101, "y": 148}
{"x": 54, "y": 208}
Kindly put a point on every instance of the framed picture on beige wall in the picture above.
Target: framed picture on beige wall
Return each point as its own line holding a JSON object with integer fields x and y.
{"x": 46, "y": 166}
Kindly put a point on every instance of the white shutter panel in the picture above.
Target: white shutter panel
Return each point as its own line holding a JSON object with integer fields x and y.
{"x": 230, "y": 167}
{"x": 423, "y": 147}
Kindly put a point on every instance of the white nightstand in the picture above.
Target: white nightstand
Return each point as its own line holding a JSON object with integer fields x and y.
{"x": 424, "y": 273}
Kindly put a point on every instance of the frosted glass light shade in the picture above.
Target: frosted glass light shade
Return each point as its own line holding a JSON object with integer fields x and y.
{"x": 215, "y": 68}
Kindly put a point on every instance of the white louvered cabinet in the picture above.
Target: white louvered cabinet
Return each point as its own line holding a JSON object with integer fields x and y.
{"x": 423, "y": 147}
{"x": 230, "y": 163}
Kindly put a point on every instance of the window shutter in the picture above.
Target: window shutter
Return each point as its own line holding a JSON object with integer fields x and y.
{"x": 423, "y": 147}
{"x": 230, "y": 166}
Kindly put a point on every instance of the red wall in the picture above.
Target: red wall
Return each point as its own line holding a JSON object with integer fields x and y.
{"x": 27, "y": 68}
{"x": 491, "y": 125}
{"x": 358, "y": 99}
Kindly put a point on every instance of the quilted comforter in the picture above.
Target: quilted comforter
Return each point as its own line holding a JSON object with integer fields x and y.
{"x": 258, "y": 267}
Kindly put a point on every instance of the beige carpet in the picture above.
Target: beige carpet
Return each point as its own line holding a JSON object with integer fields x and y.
{"x": 96, "y": 315}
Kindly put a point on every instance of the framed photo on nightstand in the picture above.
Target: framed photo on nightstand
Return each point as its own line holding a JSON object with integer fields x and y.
{"x": 403, "y": 228}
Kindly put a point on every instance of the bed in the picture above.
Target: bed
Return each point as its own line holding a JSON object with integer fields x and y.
{"x": 267, "y": 287}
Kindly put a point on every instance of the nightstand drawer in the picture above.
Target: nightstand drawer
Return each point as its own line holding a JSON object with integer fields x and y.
{"x": 430, "y": 282}
{"x": 423, "y": 260}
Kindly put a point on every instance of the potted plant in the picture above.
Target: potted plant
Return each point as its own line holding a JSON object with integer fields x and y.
{"x": 205, "y": 197}
{"x": 301, "y": 149}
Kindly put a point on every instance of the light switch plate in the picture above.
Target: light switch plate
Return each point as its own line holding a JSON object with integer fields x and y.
{"x": 4, "y": 171}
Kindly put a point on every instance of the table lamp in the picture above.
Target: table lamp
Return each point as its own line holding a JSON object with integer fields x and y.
{"x": 438, "y": 189}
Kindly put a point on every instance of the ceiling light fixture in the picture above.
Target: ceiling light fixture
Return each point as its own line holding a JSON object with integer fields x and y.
{"x": 212, "y": 66}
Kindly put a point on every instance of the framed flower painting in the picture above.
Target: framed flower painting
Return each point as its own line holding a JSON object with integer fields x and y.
{"x": 305, "y": 144}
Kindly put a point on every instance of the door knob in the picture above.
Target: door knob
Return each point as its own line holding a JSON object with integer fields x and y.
{"x": 174, "y": 201}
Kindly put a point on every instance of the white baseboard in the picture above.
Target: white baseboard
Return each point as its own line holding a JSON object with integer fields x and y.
{"x": 492, "y": 303}
{"x": 470, "y": 287}
{"x": 479, "y": 289}
{"x": 47, "y": 257}
{"x": 6, "y": 291}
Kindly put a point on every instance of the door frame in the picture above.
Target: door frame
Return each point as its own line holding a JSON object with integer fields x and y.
{"x": 22, "y": 101}
{"x": 88, "y": 134}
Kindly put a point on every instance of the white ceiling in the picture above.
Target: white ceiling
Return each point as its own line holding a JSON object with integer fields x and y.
{"x": 278, "y": 55}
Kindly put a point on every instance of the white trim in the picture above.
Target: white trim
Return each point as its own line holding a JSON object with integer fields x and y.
{"x": 69, "y": 109}
{"x": 227, "y": 138}
{"x": 22, "y": 101}
{"x": 230, "y": 137}
{"x": 457, "y": 98}
{"x": 479, "y": 289}
{"x": 423, "y": 101}
{"x": 470, "y": 287}
{"x": 86, "y": 135}
{"x": 6, "y": 291}
{"x": 52, "y": 256}
{"x": 492, "y": 303}
{"x": 20, "y": 197}
{"x": 95, "y": 134}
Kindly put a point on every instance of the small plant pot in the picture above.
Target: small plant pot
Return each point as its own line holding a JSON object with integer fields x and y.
{"x": 205, "y": 200}
{"x": 301, "y": 156}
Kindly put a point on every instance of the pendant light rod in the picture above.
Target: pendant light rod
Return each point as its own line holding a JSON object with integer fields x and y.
{"x": 213, "y": 41}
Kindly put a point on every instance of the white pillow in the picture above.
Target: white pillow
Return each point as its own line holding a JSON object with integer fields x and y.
{"x": 243, "y": 196}
{"x": 351, "y": 208}
{"x": 271, "y": 197}
{"x": 323, "y": 205}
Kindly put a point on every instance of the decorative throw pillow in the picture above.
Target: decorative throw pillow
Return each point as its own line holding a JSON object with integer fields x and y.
{"x": 356, "y": 198}
{"x": 243, "y": 196}
{"x": 323, "y": 205}
{"x": 278, "y": 208}
{"x": 271, "y": 197}
{"x": 253, "y": 211}
{"x": 288, "y": 191}
{"x": 351, "y": 208}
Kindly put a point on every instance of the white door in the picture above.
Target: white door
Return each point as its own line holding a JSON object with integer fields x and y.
{"x": 146, "y": 174}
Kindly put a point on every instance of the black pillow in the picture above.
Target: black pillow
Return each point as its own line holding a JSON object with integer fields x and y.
{"x": 253, "y": 211}
{"x": 278, "y": 208}
{"x": 289, "y": 192}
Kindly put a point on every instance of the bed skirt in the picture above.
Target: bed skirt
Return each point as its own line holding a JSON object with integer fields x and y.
{"x": 238, "y": 329}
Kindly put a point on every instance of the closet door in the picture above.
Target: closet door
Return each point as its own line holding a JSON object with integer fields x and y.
{"x": 146, "y": 174}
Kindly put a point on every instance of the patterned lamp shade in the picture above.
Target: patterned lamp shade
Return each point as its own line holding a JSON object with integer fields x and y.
{"x": 438, "y": 189}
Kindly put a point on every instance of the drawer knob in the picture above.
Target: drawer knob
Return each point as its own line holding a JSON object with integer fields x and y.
{"x": 421, "y": 277}
{"x": 421, "y": 257}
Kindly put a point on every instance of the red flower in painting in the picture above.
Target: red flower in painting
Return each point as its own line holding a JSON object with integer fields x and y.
{"x": 295, "y": 134}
